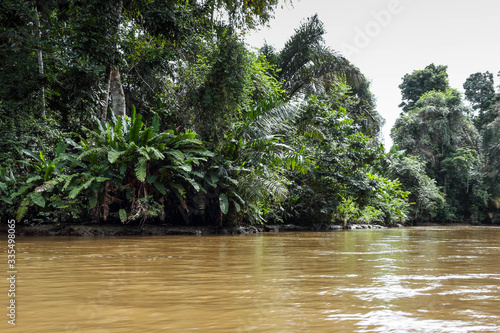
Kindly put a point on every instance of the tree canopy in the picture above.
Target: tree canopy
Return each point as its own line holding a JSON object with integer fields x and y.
{"x": 419, "y": 82}
{"x": 454, "y": 144}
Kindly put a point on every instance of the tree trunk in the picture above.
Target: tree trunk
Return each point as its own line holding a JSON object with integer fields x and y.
{"x": 105, "y": 98}
{"x": 113, "y": 81}
{"x": 117, "y": 94}
{"x": 39, "y": 54}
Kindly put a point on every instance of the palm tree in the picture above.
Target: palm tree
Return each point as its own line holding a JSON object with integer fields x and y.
{"x": 307, "y": 66}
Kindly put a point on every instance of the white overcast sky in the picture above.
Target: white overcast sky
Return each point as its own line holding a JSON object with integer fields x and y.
{"x": 388, "y": 38}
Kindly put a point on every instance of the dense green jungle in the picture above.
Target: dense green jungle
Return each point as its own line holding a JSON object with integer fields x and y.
{"x": 153, "y": 112}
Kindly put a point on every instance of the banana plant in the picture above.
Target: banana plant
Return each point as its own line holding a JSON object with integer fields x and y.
{"x": 138, "y": 167}
{"x": 49, "y": 172}
{"x": 123, "y": 167}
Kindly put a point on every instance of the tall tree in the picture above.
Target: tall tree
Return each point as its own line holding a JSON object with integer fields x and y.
{"x": 419, "y": 82}
{"x": 439, "y": 131}
{"x": 491, "y": 147}
{"x": 480, "y": 91}
{"x": 39, "y": 53}
{"x": 113, "y": 79}
{"x": 307, "y": 66}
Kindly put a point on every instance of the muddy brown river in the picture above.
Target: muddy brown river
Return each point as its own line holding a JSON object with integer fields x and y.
{"x": 432, "y": 279}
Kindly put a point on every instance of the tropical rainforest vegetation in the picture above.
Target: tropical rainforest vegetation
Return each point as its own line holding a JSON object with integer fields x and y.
{"x": 156, "y": 111}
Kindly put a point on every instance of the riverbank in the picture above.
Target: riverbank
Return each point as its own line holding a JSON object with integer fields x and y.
{"x": 107, "y": 230}
{"x": 115, "y": 229}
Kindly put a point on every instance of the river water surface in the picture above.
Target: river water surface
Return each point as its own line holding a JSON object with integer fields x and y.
{"x": 436, "y": 279}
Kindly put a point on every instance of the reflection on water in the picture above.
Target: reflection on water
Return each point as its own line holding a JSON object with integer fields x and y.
{"x": 397, "y": 280}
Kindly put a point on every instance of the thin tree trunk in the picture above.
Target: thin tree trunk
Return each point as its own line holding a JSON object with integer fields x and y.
{"x": 113, "y": 81}
{"x": 117, "y": 94}
{"x": 105, "y": 99}
{"x": 39, "y": 53}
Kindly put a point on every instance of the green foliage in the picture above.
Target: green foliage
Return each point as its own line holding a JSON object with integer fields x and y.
{"x": 306, "y": 66}
{"x": 338, "y": 180}
{"x": 425, "y": 196}
{"x": 39, "y": 188}
{"x": 435, "y": 128}
{"x": 221, "y": 98}
{"x": 386, "y": 204}
{"x": 389, "y": 199}
{"x": 439, "y": 131}
{"x": 8, "y": 186}
{"x": 480, "y": 91}
{"x": 414, "y": 85}
{"x": 134, "y": 160}
{"x": 256, "y": 157}
{"x": 491, "y": 148}
{"x": 125, "y": 167}
{"x": 248, "y": 13}
{"x": 289, "y": 135}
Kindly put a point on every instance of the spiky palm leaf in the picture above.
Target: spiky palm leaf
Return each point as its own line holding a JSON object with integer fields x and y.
{"x": 307, "y": 66}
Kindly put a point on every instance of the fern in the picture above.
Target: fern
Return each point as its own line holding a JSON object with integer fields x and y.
{"x": 140, "y": 168}
{"x": 98, "y": 151}
{"x": 114, "y": 155}
{"x": 23, "y": 208}
{"x": 51, "y": 183}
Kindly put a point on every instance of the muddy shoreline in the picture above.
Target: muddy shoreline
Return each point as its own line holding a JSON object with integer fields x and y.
{"x": 110, "y": 230}
{"x": 107, "y": 230}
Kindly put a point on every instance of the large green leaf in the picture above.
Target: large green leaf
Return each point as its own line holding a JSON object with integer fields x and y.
{"x": 156, "y": 124}
{"x": 147, "y": 135}
{"x": 151, "y": 178}
{"x": 114, "y": 155}
{"x": 140, "y": 169}
{"x": 23, "y": 208}
{"x": 237, "y": 206}
{"x": 38, "y": 199}
{"x": 223, "y": 202}
{"x": 20, "y": 191}
{"x": 6, "y": 200}
{"x": 161, "y": 188}
{"x": 32, "y": 179}
{"x": 123, "y": 215}
{"x": 155, "y": 152}
{"x": 119, "y": 126}
{"x": 48, "y": 171}
{"x": 92, "y": 199}
{"x": 136, "y": 128}
{"x": 32, "y": 154}
{"x": 74, "y": 192}
{"x": 193, "y": 183}
{"x": 61, "y": 147}
{"x": 177, "y": 154}
{"x": 179, "y": 190}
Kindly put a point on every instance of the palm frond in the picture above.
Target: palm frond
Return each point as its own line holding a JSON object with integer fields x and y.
{"x": 297, "y": 50}
{"x": 308, "y": 66}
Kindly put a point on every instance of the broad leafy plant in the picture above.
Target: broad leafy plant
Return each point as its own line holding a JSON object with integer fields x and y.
{"x": 140, "y": 168}
{"x": 128, "y": 169}
{"x": 38, "y": 187}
